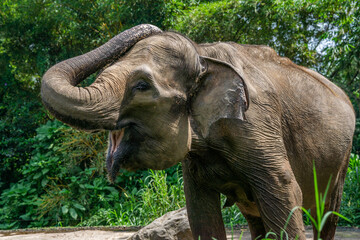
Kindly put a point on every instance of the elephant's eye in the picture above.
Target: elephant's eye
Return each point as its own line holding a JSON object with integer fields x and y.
{"x": 141, "y": 86}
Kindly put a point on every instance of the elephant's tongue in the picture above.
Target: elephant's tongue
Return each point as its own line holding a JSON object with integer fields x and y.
{"x": 111, "y": 165}
{"x": 116, "y": 137}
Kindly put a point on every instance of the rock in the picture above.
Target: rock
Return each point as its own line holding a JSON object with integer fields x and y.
{"x": 172, "y": 226}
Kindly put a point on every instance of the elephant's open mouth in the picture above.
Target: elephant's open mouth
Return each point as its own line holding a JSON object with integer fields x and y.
{"x": 116, "y": 137}
{"x": 114, "y": 153}
{"x": 124, "y": 143}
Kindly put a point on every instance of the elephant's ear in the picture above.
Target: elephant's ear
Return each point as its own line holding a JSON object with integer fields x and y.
{"x": 221, "y": 93}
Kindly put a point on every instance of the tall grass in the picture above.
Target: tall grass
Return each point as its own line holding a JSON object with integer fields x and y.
{"x": 158, "y": 194}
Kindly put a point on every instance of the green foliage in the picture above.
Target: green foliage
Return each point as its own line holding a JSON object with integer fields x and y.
{"x": 64, "y": 184}
{"x": 19, "y": 117}
{"x": 20, "y": 114}
{"x": 356, "y": 140}
{"x": 52, "y": 190}
{"x": 294, "y": 28}
{"x": 232, "y": 216}
{"x": 350, "y": 205}
{"x": 136, "y": 12}
{"x": 52, "y": 175}
{"x": 342, "y": 56}
{"x": 19, "y": 203}
{"x": 159, "y": 193}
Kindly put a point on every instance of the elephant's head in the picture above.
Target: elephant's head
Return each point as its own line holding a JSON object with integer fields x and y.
{"x": 151, "y": 85}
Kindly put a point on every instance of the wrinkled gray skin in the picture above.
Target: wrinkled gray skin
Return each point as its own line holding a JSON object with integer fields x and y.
{"x": 244, "y": 122}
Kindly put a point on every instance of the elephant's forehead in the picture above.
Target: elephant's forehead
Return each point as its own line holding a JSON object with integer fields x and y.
{"x": 165, "y": 56}
{"x": 169, "y": 48}
{"x": 157, "y": 50}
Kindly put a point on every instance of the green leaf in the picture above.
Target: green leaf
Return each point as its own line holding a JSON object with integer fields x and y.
{"x": 311, "y": 218}
{"x": 324, "y": 198}
{"x": 317, "y": 200}
{"x": 79, "y": 206}
{"x": 64, "y": 191}
{"x": 342, "y": 216}
{"x": 65, "y": 209}
{"x": 44, "y": 182}
{"x": 73, "y": 213}
{"x": 25, "y": 217}
{"x": 88, "y": 186}
{"x": 45, "y": 171}
{"x": 37, "y": 176}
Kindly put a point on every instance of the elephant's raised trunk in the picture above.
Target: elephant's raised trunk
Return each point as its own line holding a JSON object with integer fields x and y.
{"x": 88, "y": 108}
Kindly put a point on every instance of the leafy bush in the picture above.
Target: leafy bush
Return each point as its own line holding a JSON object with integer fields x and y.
{"x": 159, "y": 193}
{"x": 19, "y": 203}
{"x": 350, "y": 205}
{"x": 55, "y": 189}
{"x": 356, "y": 140}
{"x": 65, "y": 184}
{"x": 20, "y": 115}
{"x": 231, "y": 215}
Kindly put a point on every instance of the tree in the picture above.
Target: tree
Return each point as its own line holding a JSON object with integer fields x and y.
{"x": 36, "y": 34}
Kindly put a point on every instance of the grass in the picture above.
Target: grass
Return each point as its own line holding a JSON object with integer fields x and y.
{"x": 158, "y": 194}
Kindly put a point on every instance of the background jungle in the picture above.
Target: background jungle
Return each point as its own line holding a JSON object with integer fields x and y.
{"x": 52, "y": 175}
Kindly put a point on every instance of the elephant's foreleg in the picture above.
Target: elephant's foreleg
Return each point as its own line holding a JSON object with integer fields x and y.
{"x": 204, "y": 209}
{"x": 276, "y": 195}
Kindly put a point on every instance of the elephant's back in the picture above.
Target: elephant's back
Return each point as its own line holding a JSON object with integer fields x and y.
{"x": 308, "y": 103}
{"x": 317, "y": 118}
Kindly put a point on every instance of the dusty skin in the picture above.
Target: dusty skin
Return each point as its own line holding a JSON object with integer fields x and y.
{"x": 123, "y": 234}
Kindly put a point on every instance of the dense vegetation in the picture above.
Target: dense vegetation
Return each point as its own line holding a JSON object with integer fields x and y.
{"x": 52, "y": 175}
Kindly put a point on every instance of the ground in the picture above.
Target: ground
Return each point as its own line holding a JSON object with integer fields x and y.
{"x": 121, "y": 233}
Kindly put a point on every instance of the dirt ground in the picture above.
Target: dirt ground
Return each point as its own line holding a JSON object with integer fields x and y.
{"x": 120, "y": 233}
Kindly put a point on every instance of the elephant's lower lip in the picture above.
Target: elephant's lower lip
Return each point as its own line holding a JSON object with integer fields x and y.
{"x": 118, "y": 159}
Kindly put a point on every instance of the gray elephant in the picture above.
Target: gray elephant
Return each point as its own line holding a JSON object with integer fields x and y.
{"x": 245, "y": 123}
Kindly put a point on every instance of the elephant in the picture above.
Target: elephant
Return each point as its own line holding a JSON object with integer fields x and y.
{"x": 242, "y": 120}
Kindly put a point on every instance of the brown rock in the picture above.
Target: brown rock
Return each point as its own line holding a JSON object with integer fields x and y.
{"x": 172, "y": 226}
